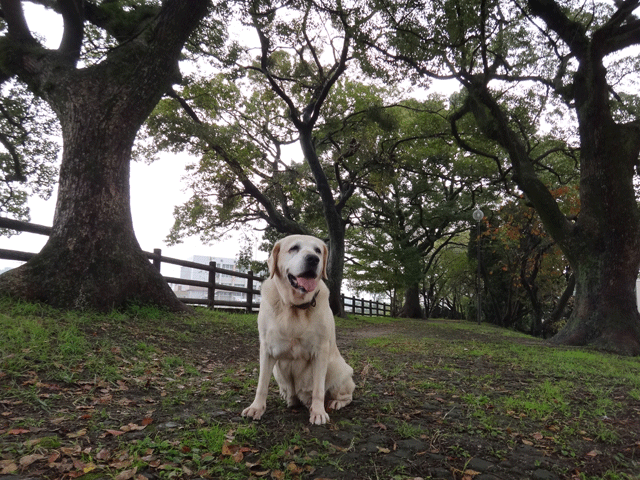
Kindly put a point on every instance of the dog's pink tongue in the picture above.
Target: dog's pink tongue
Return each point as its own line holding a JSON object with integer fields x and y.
{"x": 309, "y": 284}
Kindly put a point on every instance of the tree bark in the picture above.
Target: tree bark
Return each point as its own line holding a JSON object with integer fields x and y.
{"x": 605, "y": 313}
{"x": 411, "y": 307}
{"x": 92, "y": 258}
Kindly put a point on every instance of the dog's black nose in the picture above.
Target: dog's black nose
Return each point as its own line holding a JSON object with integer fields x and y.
{"x": 312, "y": 261}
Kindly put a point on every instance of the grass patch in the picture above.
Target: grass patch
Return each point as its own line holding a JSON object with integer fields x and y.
{"x": 162, "y": 394}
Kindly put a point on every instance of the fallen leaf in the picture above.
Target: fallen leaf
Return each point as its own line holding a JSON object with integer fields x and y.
{"x": 294, "y": 469}
{"x": 261, "y": 473}
{"x": 208, "y": 457}
{"x": 103, "y": 454}
{"x": 120, "y": 464}
{"x": 18, "y": 431}
{"x": 29, "y": 459}
{"x": 339, "y": 448}
{"x": 593, "y": 453}
{"x": 53, "y": 457}
{"x": 70, "y": 451}
{"x": 147, "y": 421}
{"x": 126, "y": 474}
{"x": 115, "y": 433}
{"x": 79, "y": 433}
{"x": 7, "y": 467}
{"x": 132, "y": 427}
{"x": 32, "y": 442}
{"x": 383, "y": 450}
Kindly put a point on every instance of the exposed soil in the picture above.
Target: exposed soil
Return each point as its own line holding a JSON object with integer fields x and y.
{"x": 413, "y": 416}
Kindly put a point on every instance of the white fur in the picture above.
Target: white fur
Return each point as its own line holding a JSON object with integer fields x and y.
{"x": 299, "y": 344}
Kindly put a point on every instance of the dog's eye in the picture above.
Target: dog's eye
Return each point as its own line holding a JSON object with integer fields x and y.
{"x": 295, "y": 248}
{"x": 318, "y": 250}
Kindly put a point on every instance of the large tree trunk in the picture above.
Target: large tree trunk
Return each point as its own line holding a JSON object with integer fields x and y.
{"x": 335, "y": 266}
{"x": 605, "y": 251}
{"x": 605, "y": 255}
{"x": 411, "y": 307}
{"x": 605, "y": 314}
{"x": 92, "y": 258}
{"x": 412, "y": 275}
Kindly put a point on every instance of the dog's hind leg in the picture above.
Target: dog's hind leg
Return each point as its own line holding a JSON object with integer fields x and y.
{"x": 341, "y": 398}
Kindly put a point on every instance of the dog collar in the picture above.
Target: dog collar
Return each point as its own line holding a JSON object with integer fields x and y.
{"x": 305, "y": 306}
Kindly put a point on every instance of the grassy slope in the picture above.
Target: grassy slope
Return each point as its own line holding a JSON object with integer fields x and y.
{"x": 116, "y": 395}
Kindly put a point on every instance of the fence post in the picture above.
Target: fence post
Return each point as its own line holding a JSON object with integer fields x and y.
{"x": 211, "y": 290}
{"x": 157, "y": 261}
{"x": 250, "y": 292}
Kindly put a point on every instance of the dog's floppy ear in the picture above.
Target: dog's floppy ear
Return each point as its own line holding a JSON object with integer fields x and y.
{"x": 273, "y": 260}
{"x": 325, "y": 258}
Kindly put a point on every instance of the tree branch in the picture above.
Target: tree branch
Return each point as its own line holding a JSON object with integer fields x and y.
{"x": 13, "y": 14}
{"x": 73, "y": 19}
{"x": 525, "y": 176}
{"x": 571, "y": 32}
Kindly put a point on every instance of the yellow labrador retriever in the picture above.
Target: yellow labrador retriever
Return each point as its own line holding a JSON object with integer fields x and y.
{"x": 297, "y": 333}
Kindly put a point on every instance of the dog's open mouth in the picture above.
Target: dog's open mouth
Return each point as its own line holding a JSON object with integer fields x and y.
{"x": 304, "y": 283}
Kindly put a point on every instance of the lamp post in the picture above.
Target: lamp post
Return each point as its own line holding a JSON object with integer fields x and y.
{"x": 478, "y": 215}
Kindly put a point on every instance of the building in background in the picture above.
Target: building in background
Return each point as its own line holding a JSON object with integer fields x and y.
{"x": 222, "y": 279}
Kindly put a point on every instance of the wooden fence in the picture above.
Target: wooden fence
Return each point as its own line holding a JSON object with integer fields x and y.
{"x": 351, "y": 304}
{"x": 370, "y": 308}
{"x": 211, "y": 284}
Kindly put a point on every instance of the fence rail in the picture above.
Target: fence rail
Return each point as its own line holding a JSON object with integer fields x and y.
{"x": 351, "y": 304}
{"x": 211, "y": 285}
{"x": 370, "y": 308}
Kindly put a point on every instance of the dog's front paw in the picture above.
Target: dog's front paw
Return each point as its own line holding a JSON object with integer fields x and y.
{"x": 318, "y": 416}
{"x": 254, "y": 411}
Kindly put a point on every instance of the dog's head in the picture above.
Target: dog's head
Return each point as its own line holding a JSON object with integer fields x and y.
{"x": 298, "y": 263}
